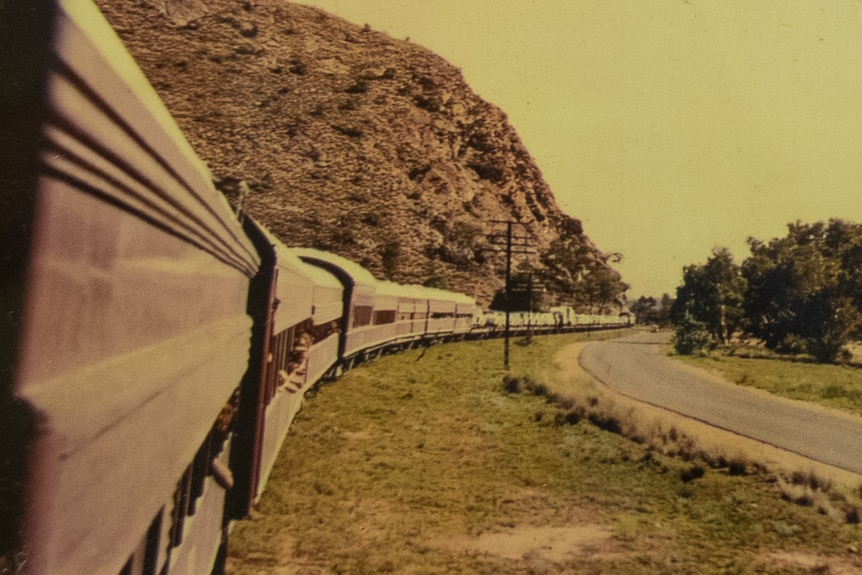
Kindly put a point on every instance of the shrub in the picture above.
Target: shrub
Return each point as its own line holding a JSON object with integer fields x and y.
{"x": 737, "y": 466}
{"x": 692, "y": 473}
{"x": 390, "y": 256}
{"x": 812, "y": 480}
{"x": 511, "y": 384}
{"x": 606, "y": 422}
{"x": 574, "y": 416}
{"x": 539, "y": 389}
{"x": 358, "y": 87}
{"x": 793, "y": 344}
{"x": 691, "y": 336}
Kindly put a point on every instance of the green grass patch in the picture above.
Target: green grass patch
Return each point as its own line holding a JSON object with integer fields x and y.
{"x": 830, "y": 385}
{"x": 422, "y": 461}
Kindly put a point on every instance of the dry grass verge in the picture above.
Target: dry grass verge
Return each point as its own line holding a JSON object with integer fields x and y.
{"x": 834, "y": 492}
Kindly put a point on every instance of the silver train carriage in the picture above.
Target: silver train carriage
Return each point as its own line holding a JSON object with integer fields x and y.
{"x": 125, "y": 302}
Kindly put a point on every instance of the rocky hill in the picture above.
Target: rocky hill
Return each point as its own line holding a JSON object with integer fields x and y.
{"x": 343, "y": 138}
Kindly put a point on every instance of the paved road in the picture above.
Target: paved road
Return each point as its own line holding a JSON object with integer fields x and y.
{"x": 638, "y": 367}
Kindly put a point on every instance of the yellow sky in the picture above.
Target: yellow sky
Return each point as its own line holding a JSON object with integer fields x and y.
{"x": 667, "y": 126}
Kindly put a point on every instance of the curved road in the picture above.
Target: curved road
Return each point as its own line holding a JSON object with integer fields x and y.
{"x": 637, "y": 366}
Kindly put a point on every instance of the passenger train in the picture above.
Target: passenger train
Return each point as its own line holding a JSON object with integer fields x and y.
{"x": 157, "y": 346}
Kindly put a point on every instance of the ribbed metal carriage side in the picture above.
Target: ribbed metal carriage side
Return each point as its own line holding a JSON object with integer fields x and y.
{"x": 132, "y": 332}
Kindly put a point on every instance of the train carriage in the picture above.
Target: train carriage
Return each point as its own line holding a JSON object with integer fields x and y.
{"x": 131, "y": 332}
{"x": 360, "y": 288}
{"x": 399, "y": 312}
{"x": 328, "y": 307}
{"x": 465, "y": 309}
{"x": 449, "y": 312}
{"x": 296, "y": 308}
{"x": 412, "y": 306}
{"x": 384, "y": 319}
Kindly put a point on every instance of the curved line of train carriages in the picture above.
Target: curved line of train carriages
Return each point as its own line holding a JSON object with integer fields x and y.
{"x": 161, "y": 347}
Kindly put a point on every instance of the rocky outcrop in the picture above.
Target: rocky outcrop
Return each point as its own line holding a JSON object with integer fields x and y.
{"x": 343, "y": 138}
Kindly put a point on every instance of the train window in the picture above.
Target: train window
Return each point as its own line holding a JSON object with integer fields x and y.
{"x": 271, "y": 373}
{"x": 200, "y": 467}
{"x": 280, "y": 347}
{"x": 189, "y": 489}
{"x": 151, "y": 548}
{"x": 362, "y": 315}
{"x": 323, "y": 331}
{"x": 181, "y": 507}
{"x": 384, "y": 316}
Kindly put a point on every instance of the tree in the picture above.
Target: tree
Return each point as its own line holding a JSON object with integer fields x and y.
{"x": 584, "y": 275}
{"x": 712, "y": 294}
{"x": 664, "y": 312}
{"x": 649, "y": 310}
{"x": 463, "y": 244}
{"x": 646, "y": 310}
{"x": 438, "y": 282}
{"x": 691, "y": 336}
{"x": 527, "y": 294}
{"x": 390, "y": 256}
{"x": 566, "y": 262}
{"x": 603, "y": 287}
{"x": 805, "y": 289}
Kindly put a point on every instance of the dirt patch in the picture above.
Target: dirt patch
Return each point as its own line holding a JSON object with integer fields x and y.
{"x": 555, "y": 544}
{"x": 813, "y": 563}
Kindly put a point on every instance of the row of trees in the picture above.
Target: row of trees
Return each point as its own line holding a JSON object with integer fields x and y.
{"x": 652, "y": 311}
{"x": 574, "y": 271}
{"x": 582, "y": 274}
{"x": 801, "y": 293}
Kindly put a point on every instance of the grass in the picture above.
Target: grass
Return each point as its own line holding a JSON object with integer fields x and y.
{"x": 836, "y": 386}
{"x": 410, "y": 463}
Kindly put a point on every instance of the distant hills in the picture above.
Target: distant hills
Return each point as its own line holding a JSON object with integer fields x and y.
{"x": 340, "y": 137}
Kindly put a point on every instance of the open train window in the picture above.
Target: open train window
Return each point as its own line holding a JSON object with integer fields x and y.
{"x": 181, "y": 507}
{"x": 384, "y": 316}
{"x": 151, "y": 547}
{"x": 441, "y": 315}
{"x": 280, "y": 347}
{"x": 200, "y": 467}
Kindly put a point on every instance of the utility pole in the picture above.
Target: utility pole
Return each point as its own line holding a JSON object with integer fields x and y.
{"x": 514, "y": 244}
